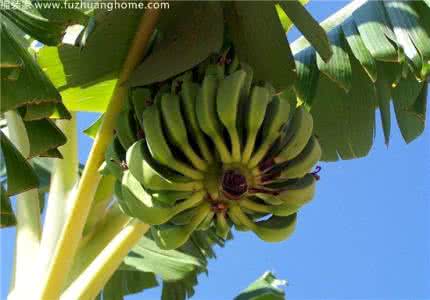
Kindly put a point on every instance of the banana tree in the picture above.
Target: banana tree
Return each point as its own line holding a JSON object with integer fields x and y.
{"x": 209, "y": 120}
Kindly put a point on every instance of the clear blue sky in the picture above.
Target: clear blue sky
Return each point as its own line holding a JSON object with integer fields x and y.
{"x": 366, "y": 235}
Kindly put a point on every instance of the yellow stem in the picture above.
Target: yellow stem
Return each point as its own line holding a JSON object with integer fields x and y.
{"x": 95, "y": 276}
{"x": 69, "y": 240}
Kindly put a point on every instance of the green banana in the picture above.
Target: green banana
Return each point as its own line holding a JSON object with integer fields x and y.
{"x": 148, "y": 173}
{"x": 207, "y": 222}
{"x": 299, "y": 190}
{"x": 294, "y": 195}
{"x": 222, "y": 226}
{"x": 169, "y": 236}
{"x": 257, "y": 106}
{"x": 214, "y": 150}
{"x": 140, "y": 203}
{"x": 169, "y": 198}
{"x": 298, "y": 134}
{"x": 158, "y": 146}
{"x": 171, "y": 111}
{"x": 207, "y": 118}
{"x": 228, "y": 98}
{"x": 304, "y": 162}
{"x": 188, "y": 97}
{"x": 125, "y": 130}
{"x": 140, "y": 100}
{"x": 274, "y": 229}
{"x": 276, "y": 117}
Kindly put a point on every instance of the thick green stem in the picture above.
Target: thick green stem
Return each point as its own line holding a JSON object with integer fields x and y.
{"x": 28, "y": 227}
{"x": 69, "y": 240}
{"x": 64, "y": 179}
{"x": 95, "y": 276}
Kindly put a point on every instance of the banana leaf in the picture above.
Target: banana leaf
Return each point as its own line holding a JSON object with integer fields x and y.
{"x": 373, "y": 64}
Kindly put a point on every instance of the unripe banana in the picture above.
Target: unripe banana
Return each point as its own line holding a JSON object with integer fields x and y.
{"x": 274, "y": 229}
{"x": 304, "y": 162}
{"x": 172, "y": 116}
{"x": 228, "y": 97}
{"x": 257, "y": 106}
{"x": 169, "y": 198}
{"x": 276, "y": 117}
{"x": 172, "y": 236}
{"x": 140, "y": 203}
{"x": 298, "y": 134}
{"x": 158, "y": 146}
{"x": 213, "y": 151}
{"x": 188, "y": 97}
{"x": 125, "y": 130}
{"x": 299, "y": 190}
{"x": 222, "y": 226}
{"x": 207, "y": 222}
{"x": 153, "y": 176}
{"x": 207, "y": 116}
{"x": 140, "y": 100}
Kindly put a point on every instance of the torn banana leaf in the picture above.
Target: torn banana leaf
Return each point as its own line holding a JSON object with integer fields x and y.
{"x": 381, "y": 54}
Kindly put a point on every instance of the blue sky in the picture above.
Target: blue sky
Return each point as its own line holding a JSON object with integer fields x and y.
{"x": 366, "y": 235}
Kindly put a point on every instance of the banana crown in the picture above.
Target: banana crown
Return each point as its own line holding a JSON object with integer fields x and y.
{"x": 211, "y": 148}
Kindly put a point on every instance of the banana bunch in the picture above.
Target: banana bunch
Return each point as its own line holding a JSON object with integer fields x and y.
{"x": 210, "y": 148}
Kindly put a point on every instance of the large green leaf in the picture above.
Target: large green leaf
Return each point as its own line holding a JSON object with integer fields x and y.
{"x": 87, "y": 76}
{"x": 267, "y": 287}
{"x": 190, "y": 32}
{"x": 260, "y": 41}
{"x": 373, "y": 62}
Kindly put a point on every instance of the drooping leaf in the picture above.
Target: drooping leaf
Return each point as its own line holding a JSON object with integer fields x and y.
{"x": 410, "y": 35}
{"x": 307, "y": 73}
{"x": 267, "y": 287}
{"x": 338, "y": 68}
{"x": 310, "y": 28}
{"x": 374, "y": 29}
{"x": 260, "y": 41}
{"x": 43, "y": 136}
{"x": 409, "y": 97}
{"x": 358, "y": 48}
{"x": 190, "y": 32}
{"x": 377, "y": 72}
{"x": 19, "y": 173}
